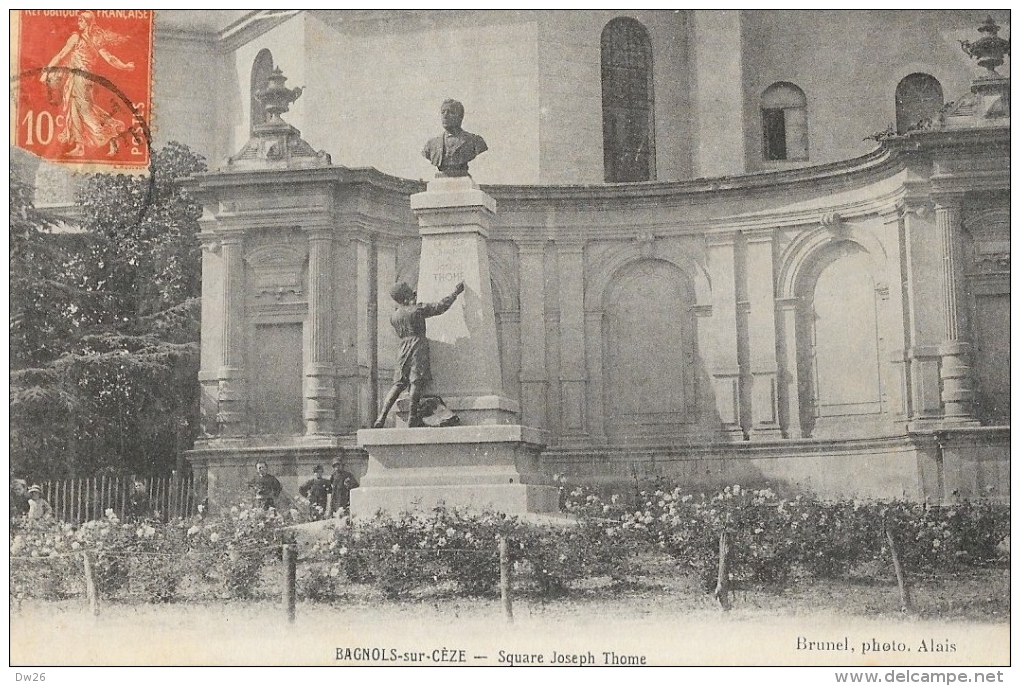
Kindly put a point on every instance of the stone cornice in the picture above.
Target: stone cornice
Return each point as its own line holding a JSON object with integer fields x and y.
{"x": 876, "y": 163}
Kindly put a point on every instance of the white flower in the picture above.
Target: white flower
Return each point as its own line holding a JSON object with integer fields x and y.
{"x": 139, "y": 532}
{"x": 75, "y": 546}
{"x": 193, "y": 530}
{"x": 213, "y": 537}
{"x": 342, "y": 551}
{"x": 395, "y": 548}
{"x": 450, "y": 532}
{"x": 442, "y": 541}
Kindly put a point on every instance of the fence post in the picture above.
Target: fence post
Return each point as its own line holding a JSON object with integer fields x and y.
{"x": 290, "y": 580}
{"x": 722, "y": 582}
{"x": 90, "y": 584}
{"x": 505, "y": 589}
{"x": 901, "y": 573}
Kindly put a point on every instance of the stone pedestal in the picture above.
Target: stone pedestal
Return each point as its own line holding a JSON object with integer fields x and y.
{"x": 491, "y": 461}
{"x": 480, "y": 467}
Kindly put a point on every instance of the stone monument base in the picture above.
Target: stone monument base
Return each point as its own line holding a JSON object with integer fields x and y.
{"x": 492, "y": 467}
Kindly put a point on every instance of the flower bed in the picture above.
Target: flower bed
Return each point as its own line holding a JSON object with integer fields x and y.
{"x": 774, "y": 541}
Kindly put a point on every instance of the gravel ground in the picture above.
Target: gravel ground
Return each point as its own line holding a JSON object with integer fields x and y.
{"x": 962, "y": 620}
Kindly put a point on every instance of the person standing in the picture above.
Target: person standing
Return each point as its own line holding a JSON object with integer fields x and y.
{"x": 38, "y": 508}
{"x": 343, "y": 481}
{"x": 139, "y": 505}
{"x": 414, "y": 369}
{"x": 19, "y": 499}
{"x": 265, "y": 487}
{"x": 316, "y": 490}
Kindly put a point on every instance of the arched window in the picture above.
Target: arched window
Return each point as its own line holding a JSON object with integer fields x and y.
{"x": 784, "y": 123}
{"x": 627, "y": 102}
{"x": 918, "y": 99}
{"x": 260, "y": 71}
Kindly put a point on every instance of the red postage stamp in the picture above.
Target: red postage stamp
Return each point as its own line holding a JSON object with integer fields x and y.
{"x": 83, "y": 84}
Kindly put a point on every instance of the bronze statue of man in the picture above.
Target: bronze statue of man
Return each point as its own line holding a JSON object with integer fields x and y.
{"x": 451, "y": 152}
{"x": 414, "y": 368}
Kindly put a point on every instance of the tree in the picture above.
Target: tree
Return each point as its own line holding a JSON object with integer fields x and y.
{"x": 115, "y": 387}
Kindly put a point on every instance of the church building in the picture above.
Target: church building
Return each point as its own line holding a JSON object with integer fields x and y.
{"x": 729, "y": 246}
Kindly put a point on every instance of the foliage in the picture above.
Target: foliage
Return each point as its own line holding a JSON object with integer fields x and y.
{"x": 460, "y": 550}
{"x": 105, "y": 324}
{"x": 773, "y": 540}
{"x": 148, "y": 560}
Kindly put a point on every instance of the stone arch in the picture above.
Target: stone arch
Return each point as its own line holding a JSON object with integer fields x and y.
{"x": 261, "y": 68}
{"x": 649, "y": 352}
{"x": 919, "y": 101}
{"x": 839, "y": 339}
{"x": 602, "y": 270}
{"x": 802, "y": 250}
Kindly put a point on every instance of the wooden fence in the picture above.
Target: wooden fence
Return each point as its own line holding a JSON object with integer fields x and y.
{"x": 81, "y": 500}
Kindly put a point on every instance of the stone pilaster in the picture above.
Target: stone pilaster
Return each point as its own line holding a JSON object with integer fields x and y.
{"x": 534, "y": 375}
{"x": 720, "y": 346}
{"x": 789, "y": 380}
{"x": 954, "y": 350}
{"x": 212, "y": 299}
{"x": 573, "y": 380}
{"x": 231, "y": 415}
{"x": 319, "y": 367}
{"x": 762, "y": 334}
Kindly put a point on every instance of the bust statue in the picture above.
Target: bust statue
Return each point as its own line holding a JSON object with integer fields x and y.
{"x": 451, "y": 152}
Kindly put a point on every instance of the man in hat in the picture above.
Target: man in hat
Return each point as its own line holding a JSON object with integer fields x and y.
{"x": 414, "y": 369}
{"x": 316, "y": 490}
{"x": 343, "y": 481}
{"x": 266, "y": 487}
{"x": 38, "y": 508}
{"x": 139, "y": 505}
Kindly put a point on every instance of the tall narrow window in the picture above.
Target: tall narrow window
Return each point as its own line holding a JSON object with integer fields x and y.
{"x": 784, "y": 123}
{"x": 627, "y": 102}
{"x": 918, "y": 100}
{"x": 260, "y": 71}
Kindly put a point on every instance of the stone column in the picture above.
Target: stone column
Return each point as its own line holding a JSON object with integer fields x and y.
{"x": 762, "y": 334}
{"x": 573, "y": 396}
{"x": 721, "y": 344}
{"x": 231, "y": 414}
{"x": 319, "y": 387}
{"x": 212, "y": 317}
{"x": 954, "y": 351}
{"x": 534, "y": 376}
{"x": 789, "y": 381}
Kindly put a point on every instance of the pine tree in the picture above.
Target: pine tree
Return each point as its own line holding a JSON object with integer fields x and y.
{"x": 104, "y": 379}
